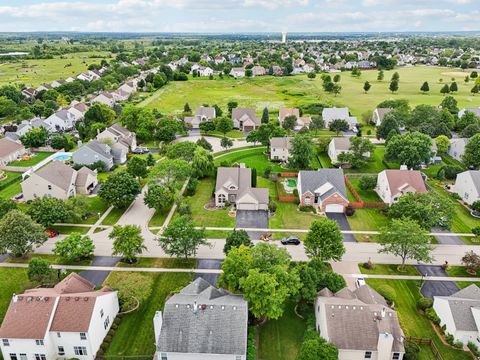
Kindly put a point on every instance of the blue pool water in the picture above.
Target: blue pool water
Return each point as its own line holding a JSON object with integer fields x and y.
{"x": 63, "y": 157}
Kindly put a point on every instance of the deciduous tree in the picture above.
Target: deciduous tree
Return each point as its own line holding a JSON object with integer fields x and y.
{"x": 181, "y": 238}
{"x": 324, "y": 241}
{"x": 127, "y": 242}
{"x": 119, "y": 190}
{"x": 471, "y": 157}
{"x": 137, "y": 167}
{"x": 235, "y": 239}
{"x": 48, "y": 211}
{"x": 301, "y": 152}
{"x": 74, "y": 247}
{"x": 411, "y": 149}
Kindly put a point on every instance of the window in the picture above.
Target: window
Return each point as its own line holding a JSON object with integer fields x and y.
{"x": 23, "y": 357}
{"x": 5, "y": 342}
{"x": 83, "y": 336}
{"x": 164, "y": 356}
{"x": 222, "y": 199}
{"x": 13, "y": 356}
{"x": 101, "y": 313}
{"x": 307, "y": 201}
{"x": 40, "y": 357}
{"x": 49, "y": 187}
{"x": 106, "y": 323}
{"x": 396, "y": 356}
{"x": 39, "y": 342}
{"x": 80, "y": 350}
{"x": 368, "y": 354}
{"x": 61, "y": 350}
{"x": 59, "y": 335}
{"x": 238, "y": 357}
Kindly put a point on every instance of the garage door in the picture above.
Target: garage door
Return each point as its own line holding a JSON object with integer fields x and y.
{"x": 248, "y": 128}
{"x": 334, "y": 208}
{"x": 247, "y": 207}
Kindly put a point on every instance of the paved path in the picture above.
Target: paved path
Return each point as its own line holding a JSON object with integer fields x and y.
{"x": 345, "y": 267}
{"x": 436, "y": 288}
{"x": 98, "y": 223}
{"x": 342, "y": 222}
{"x": 447, "y": 239}
{"x": 97, "y": 277}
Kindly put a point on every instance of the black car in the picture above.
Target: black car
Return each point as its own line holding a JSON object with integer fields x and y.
{"x": 291, "y": 240}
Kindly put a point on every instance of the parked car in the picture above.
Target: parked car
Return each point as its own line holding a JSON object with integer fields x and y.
{"x": 360, "y": 282}
{"x": 291, "y": 240}
{"x": 141, "y": 150}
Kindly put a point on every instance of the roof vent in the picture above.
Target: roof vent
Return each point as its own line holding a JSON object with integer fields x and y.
{"x": 234, "y": 308}
{"x": 223, "y": 307}
{"x": 85, "y": 298}
{"x": 77, "y": 298}
{"x": 29, "y": 299}
{"x": 67, "y": 298}
{"x": 46, "y": 298}
{"x": 39, "y": 298}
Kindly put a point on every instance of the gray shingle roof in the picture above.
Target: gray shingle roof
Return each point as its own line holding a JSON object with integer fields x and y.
{"x": 238, "y": 113}
{"x": 461, "y": 304}
{"x": 475, "y": 175}
{"x": 281, "y": 142}
{"x": 99, "y": 148}
{"x": 238, "y": 176}
{"x": 8, "y": 146}
{"x": 341, "y": 143}
{"x": 202, "y": 319}
{"x": 208, "y": 112}
{"x": 59, "y": 174}
{"x": 312, "y": 180}
{"x": 329, "y": 114}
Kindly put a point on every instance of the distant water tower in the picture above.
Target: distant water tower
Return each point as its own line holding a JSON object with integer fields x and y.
{"x": 284, "y": 37}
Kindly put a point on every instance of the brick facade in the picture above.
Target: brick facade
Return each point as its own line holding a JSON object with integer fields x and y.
{"x": 335, "y": 198}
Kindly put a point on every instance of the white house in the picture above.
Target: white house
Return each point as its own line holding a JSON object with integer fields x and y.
{"x": 457, "y": 148}
{"x": 62, "y": 120}
{"x": 10, "y": 150}
{"x": 331, "y": 114}
{"x": 476, "y": 111}
{"x": 67, "y": 321}
{"x": 203, "y": 113}
{"x": 360, "y": 324}
{"x": 379, "y": 114}
{"x": 392, "y": 184}
{"x": 467, "y": 186}
{"x": 106, "y": 98}
{"x": 280, "y": 148}
{"x": 237, "y": 72}
{"x": 340, "y": 145}
{"x": 78, "y": 111}
{"x": 203, "y": 71}
{"x": 202, "y": 322}
{"x": 460, "y": 314}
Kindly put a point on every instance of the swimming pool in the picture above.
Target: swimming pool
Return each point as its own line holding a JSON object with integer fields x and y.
{"x": 63, "y": 157}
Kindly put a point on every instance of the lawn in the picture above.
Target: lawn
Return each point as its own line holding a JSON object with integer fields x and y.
{"x": 294, "y": 91}
{"x": 167, "y": 263}
{"x": 412, "y": 322}
{"x": 12, "y": 280}
{"x": 255, "y": 159}
{"x": 366, "y": 195}
{"x": 460, "y": 271}
{"x": 158, "y": 219}
{"x": 288, "y": 217}
{"x": 14, "y": 188}
{"x": 203, "y": 217}
{"x": 233, "y": 134}
{"x": 95, "y": 206}
{"x": 53, "y": 259}
{"x": 392, "y": 269}
{"x": 135, "y": 334}
{"x": 67, "y": 230}
{"x": 34, "y": 160}
{"x": 368, "y": 220}
{"x": 281, "y": 339}
{"x": 113, "y": 216}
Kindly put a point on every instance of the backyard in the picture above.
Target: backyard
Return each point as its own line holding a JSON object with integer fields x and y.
{"x": 30, "y": 161}
{"x": 12, "y": 280}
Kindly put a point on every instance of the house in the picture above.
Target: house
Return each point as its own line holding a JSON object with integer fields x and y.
{"x": 57, "y": 83}
{"x": 237, "y": 72}
{"x": 324, "y": 189}
{"x": 457, "y": 148}
{"x": 92, "y": 152}
{"x": 392, "y": 184}
{"x": 10, "y": 151}
{"x": 67, "y": 321}
{"x": 259, "y": 71}
{"x": 106, "y": 98}
{"x": 280, "y": 148}
{"x": 202, "y": 114}
{"x": 245, "y": 119}
{"x": 43, "y": 87}
{"x": 340, "y": 145}
{"x": 331, "y": 114}
{"x": 460, "y": 314}
{"x": 301, "y": 122}
{"x": 29, "y": 93}
{"x": 121, "y": 141}
{"x": 360, "y": 324}
{"x": 467, "y": 186}
{"x": 62, "y": 120}
{"x": 203, "y": 71}
{"x": 476, "y": 111}
{"x": 276, "y": 70}
{"x": 234, "y": 186}
{"x": 202, "y": 322}
{"x": 379, "y": 114}
{"x": 23, "y": 128}
{"x": 78, "y": 111}
{"x": 129, "y": 87}
{"x": 219, "y": 59}
{"x": 58, "y": 180}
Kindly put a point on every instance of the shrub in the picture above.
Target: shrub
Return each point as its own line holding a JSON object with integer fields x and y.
{"x": 108, "y": 338}
{"x": 295, "y": 193}
{"x": 432, "y": 316}
{"x": 473, "y": 348}
{"x": 272, "y": 206}
{"x": 449, "y": 172}
{"x": 476, "y": 205}
{"x": 368, "y": 265}
{"x": 456, "y": 196}
{"x": 450, "y": 339}
{"x": 184, "y": 209}
{"x": 307, "y": 208}
{"x": 100, "y": 352}
{"x": 267, "y": 172}
{"x": 251, "y": 344}
{"x": 367, "y": 182}
{"x": 458, "y": 344}
{"x": 388, "y": 293}
{"x": 411, "y": 351}
{"x": 349, "y": 210}
{"x": 191, "y": 187}
{"x": 424, "y": 303}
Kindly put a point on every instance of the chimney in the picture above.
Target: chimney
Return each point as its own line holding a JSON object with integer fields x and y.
{"x": 15, "y": 298}
{"x": 195, "y": 307}
{"x": 383, "y": 313}
{"x": 384, "y": 346}
{"x": 157, "y": 324}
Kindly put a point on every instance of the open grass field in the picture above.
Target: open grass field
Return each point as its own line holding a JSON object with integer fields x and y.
{"x": 273, "y": 92}
{"x": 35, "y": 72}
{"x": 39, "y": 156}
{"x": 135, "y": 334}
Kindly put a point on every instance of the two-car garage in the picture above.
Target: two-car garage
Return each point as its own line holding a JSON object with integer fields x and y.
{"x": 334, "y": 208}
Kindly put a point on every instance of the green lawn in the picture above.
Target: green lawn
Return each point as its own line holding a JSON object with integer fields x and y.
{"x": 368, "y": 220}
{"x": 168, "y": 263}
{"x": 325, "y": 161}
{"x": 135, "y": 334}
{"x": 392, "y": 269}
{"x": 294, "y": 91}
{"x": 12, "y": 189}
{"x": 288, "y": 217}
{"x": 412, "y": 322}
{"x": 366, "y": 195}
{"x": 158, "y": 218}
{"x": 96, "y": 206}
{"x": 281, "y": 339}
{"x": 66, "y": 230}
{"x": 203, "y": 217}
{"x": 255, "y": 159}
{"x": 113, "y": 216}
{"x": 460, "y": 271}
{"x": 233, "y": 134}
{"x": 53, "y": 259}
{"x": 32, "y": 161}
{"x": 12, "y": 280}
{"x": 375, "y": 164}
{"x": 266, "y": 183}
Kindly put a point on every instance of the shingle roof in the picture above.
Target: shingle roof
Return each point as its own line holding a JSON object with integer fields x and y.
{"x": 284, "y": 112}
{"x": 217, "y": 325}
{"x": 312, "y": 180}
{"x": 329, "y": 114}
{"x": 382, "y": 112}
{"x": 461, "y": 304}
{"x": 238, "y": 113}
{"x": 398, "y": 179}
{"x": 281, "y": 142}
{"x": 8, "y": 146}
{"x": 100, "y": 148}
{"x": 475, "y": 175}
{"x": 82, "y": 176}
{"x": 59, "y": 174}
{"x": 208, "y": 112}
{"x": 341, "y": 143}
{"x": 238, "y": 176}
{"x": 354, "y": 320}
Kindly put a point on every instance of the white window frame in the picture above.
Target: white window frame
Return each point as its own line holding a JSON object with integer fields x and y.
{"x": 61, "y": 350}
{"x": 6, "y": 342}
{"x": 39, "y": 342}
{"x": 83, "y": 336}
{"x": 80, "y": 350}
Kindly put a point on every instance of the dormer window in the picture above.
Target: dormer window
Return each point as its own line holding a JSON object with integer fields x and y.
{"x": 232, "y": 187}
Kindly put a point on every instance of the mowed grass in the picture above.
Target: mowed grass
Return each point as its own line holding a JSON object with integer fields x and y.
{"x": 365, "y": 195}
{"x": 288, "y": 216}
{"x": 294, "y": 91}
{"x": 39, "y": 71}
{"x": 166, "y": 263}
{"x": 461, "y": 271}
{"x": 39, "y": 156}
{"x": 367, "y": 220}
{"x": 12, "y": 280}
{"x": 254, "y": 159}
{"x": 135, "y": 335}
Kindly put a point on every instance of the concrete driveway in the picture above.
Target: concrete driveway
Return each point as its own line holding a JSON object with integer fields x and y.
{"x": 448, "y": 240}
{"x": 208, "y": 264}
{"x": 3, "y": 257}
{"x": 436, "y": 288}
{"x": 342, "y": 221}
{"x": 97, "y": 277}
{"x": 252, "y": 219}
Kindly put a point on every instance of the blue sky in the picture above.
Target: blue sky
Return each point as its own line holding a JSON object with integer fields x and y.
{"x": 239, "y": 15}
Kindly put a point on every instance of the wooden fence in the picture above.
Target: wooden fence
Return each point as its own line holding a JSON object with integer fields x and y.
{"x": 359, "y": 203}
{"x": 284, "y": 198}
{"x": 425, "y": 341}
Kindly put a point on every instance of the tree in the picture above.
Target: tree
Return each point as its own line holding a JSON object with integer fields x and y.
{"x": 406, "y": 239}
{"x": 367, "y": 182}
{"x": 389, "y": 124}
{"x": 289, "y": 122}
{"x": 316, "y": 124}
{"x": 207, "y": 126}
{"x": 202, "y": 163}
{"x": 301, "y": 152}
{"x": 19, "y": 233}
{"x": 337, "y": 78}
{"x": 170, "y": 173}
{"x": 182, "y": 150}
{"x": 471, "y": 157}
{"x": 35, "y": 138}
{"x": 470, "y": 130}
{"x": 231, "y": 105}
{"x": 450, "y": 103}
{"x": 137, "y": 167}
{"x": 6, "y": 206}
{"x": 127, "y": 242}
{"x": 40, "y": 270}
{"x": 443, "y": 143}
{"x": 235, "y": 239}
{"x": 427, "y": 209}
{"x": 356, "y": 72}
{"x": 48, "y": 211}
{"x": 411, "y": 149}
{"x": 468, "y": 118}
{"x": 223, "y": 125}
{"x": 475, "y": 89}
{"x": 324, "y": 241}
{"x": 425, "y": 87}
{"x": 453, "y": 87}
{"x": 366, "y": 86}
{"x": 393, "y": 87}
{"x": 445, "y": 89}
{"x": 315, "y": 347}
{"x": 311, "y": 75}
{"x": 167, "y": 129}
{"x": 181, "y": 238}
{"x": 471, "y": 261}
{"x": 359, "y": 149}
{"x": 186, "y": 108}
{"x": 226, "y": 143}
{"x": 265, "y": 116}
{"x": 474, "y": 74}
{"x": 338, "y": 125}
{"x": 119, "y": 190}
{"x": 159, "y": 198}
{"x": 265, "y": 132}
{"x": 218, "y": 110}
{"x": 396, "y": 76}
{"x": 381, "y": 75}
{"x": 74, "y": 247}
{"x": 202, "y": 142}
{"x": 99, "y": 113}
{"x": 336, "y": 89}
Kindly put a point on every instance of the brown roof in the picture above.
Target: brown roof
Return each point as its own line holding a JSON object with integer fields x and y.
{"x": 73, "y": 313}
{"x": 74, "y": 283}
{"x": 382, "y": 112}
{"x": 399, "y": 179}
{"x": 284, "y": 112}
{"x": 8, "y": 146}
{"x": 82, "y": 176}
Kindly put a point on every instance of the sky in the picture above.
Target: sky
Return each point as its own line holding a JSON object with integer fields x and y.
{"x": 239, "y": 16}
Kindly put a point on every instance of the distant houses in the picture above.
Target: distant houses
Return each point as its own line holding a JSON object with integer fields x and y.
{"x": 300, "y": 121}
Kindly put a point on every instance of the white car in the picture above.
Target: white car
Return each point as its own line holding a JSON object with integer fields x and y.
{"x": 360, "y": 282}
